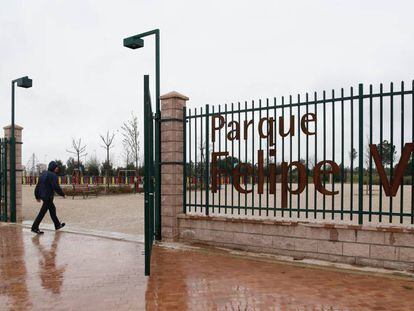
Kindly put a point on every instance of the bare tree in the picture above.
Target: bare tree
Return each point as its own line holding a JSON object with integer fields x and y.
{"x": 367, "y": 157}
{"x": 78, "y": 150}
{"x": 201, "y": 150}
{"x": 353, "y": 154}
{"x": 130, "y": 135}
{"x": 108, "y": 140}
{"x": 126, "y": 153}
{"x": 311, "y": 163}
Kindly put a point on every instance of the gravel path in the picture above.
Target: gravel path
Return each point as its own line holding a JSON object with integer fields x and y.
{"x": 113, "y": 213}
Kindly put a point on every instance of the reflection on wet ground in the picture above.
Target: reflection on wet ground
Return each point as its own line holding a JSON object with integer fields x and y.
{"x": 64, "y": 271}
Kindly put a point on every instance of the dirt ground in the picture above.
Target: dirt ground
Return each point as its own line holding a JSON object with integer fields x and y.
{"x": 114, "y": 213}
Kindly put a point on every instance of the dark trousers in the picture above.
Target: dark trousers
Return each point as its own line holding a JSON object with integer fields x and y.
{"x": 47, "y": 205}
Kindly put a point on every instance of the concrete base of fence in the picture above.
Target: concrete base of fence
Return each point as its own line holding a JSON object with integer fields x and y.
{"x": 391, "y": 247}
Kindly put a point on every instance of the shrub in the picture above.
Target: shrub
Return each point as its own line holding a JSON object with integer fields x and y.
{"x": 101, "y": 189}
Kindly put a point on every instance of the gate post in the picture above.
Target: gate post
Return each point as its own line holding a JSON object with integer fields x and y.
{"x": 172, "y": 157}
{"x": 19, "y": 169}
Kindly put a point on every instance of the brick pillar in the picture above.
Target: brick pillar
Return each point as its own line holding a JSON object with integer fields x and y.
{"x": 172, "y": 158}
{"x": 19, "y": 169}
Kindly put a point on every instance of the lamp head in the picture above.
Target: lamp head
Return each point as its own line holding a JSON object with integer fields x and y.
{"x": 134, "y": 42}
{"x": 24, "y": 82}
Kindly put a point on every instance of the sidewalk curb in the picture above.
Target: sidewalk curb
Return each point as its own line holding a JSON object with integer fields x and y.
{"x": 101, "y": 234}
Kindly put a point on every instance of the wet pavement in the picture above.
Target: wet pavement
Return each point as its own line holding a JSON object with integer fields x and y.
{"x": 66, "y": 271}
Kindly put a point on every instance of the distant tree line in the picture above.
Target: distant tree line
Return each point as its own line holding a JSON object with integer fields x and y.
{"x": 93, "y": 167}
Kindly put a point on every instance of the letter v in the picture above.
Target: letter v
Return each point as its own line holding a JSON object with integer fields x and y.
{"x": 399, "y": 170}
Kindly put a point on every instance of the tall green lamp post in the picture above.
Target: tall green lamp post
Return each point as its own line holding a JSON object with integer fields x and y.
{"x": 24, "y": 82}
{"x": 136, "y": 42}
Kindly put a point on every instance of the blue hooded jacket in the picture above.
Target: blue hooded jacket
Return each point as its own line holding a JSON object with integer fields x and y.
{"x": 48, "y": 184}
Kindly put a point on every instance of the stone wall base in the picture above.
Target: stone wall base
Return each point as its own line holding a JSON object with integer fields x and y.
{"x": 382, "y": 247}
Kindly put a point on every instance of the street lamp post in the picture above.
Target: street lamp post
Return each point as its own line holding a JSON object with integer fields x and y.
{"x": 136, "y": 42}
{"x": 24, "y": 82}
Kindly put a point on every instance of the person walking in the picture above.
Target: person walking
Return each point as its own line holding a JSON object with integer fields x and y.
{"x": 44, "y": 191}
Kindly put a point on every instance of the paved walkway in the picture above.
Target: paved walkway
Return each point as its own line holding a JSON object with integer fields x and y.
{"x": 67, "y": 271}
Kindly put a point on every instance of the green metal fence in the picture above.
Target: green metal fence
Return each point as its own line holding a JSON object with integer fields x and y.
{"x": 149, "y": 223}
{"x": 4, "y": 212}
{"x": 345, "y": 124}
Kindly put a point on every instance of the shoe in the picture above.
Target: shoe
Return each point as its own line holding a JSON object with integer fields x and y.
{"x": 37, "y": 231}
{"x": 61, "y": 226}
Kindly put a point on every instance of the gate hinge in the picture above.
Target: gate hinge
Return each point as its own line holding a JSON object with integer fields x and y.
{"x": 156, "y": 116}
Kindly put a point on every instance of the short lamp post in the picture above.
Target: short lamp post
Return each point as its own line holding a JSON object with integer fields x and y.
{"x": 136, "y": 42}
{"x": 24, "y": 82}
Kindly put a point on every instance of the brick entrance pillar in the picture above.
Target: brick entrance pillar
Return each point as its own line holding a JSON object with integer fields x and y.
{"x": 172, "y": 158}
{"x": 19, "y": 169}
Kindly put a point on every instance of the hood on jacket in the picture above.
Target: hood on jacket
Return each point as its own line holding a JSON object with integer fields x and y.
{"x": 52, "y": 166}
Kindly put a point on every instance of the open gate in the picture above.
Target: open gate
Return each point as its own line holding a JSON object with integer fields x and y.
{"x": 4, "y": 213}
{"x": 149, "y": 175}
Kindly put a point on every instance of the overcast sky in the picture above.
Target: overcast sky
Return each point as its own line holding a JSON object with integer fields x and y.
{"x": 85, "y": 82}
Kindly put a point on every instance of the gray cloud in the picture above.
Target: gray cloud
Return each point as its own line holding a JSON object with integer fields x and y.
{"x": 86, "y": 82}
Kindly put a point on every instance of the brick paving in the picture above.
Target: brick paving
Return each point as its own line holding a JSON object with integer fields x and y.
{"x": 65, "y": 271}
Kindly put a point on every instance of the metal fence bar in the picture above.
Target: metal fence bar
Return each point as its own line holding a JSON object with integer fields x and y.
{"x": 207, "y": 156}
{"x": 370, "y": 158}
{"x": 392, "y": 143}
{"x": 361, "y": 155}
{"x": 333, "y": 150}
{"x": 342, "y": 154}
{"x": 213, "y": 194}
{"x": 232, "y": 156}
{"x": 299, "y": 159}
{"x": 202, "y": 163}
{"x": 245, "y": 157}
{"x": 412, "y": 160}
{"x": 402, "y": 147}
{"x": 275, "y": 158}
{"x": 226, "y": 163}
{"x": 316, "y": 155}
{"x": 219, "y": 150}
{"x": 196, "y": 166}
{"x": 283, "y": 141}
{"x": 380, "y": 144}
{"x": 290, "y": 156}
{"x": 324, "y": 151}
{"x": 267, "y": 159}
{"x": 252, "y": 157}
{"x": 352, "y": 154}
{"x": 260, "y": 148}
